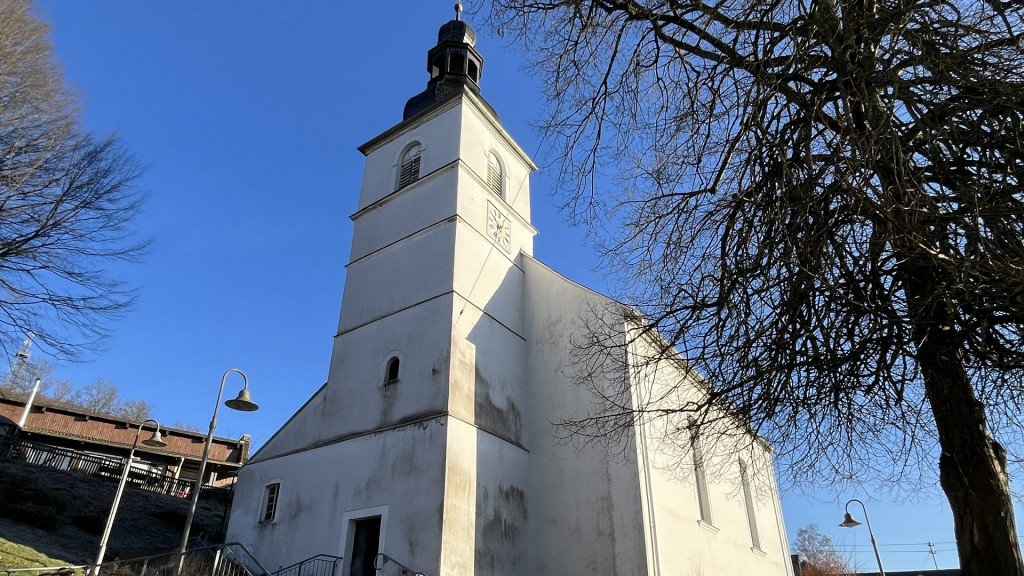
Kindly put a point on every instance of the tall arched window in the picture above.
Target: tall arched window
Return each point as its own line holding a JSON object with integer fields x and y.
{"x": 748, "y": 502}
{"x": 494, "y": 173}
{"x": 392, "y": 370}
{"x": 700, "y": 479}
{"x": 409, "y": 167}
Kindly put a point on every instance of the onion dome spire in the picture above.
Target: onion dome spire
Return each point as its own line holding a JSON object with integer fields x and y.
{"x": 454, "y": 65}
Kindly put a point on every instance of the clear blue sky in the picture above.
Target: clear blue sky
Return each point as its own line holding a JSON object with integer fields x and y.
{"x": 248, "y": 114}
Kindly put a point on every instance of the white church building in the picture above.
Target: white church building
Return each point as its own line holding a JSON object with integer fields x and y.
{"x": 434, "y": 446}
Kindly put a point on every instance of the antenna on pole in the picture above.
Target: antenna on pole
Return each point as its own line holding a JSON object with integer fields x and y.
{"x": 931, "y": 550}
{"x": 18, "y": 363}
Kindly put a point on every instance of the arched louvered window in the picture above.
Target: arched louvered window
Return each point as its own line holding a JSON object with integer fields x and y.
{"x": 409, "y": 168}
{"x": 494, "y": 173}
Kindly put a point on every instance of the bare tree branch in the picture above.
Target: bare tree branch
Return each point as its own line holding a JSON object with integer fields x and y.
{"x": 66, "y": 202}
{"x": 818, "y": 205}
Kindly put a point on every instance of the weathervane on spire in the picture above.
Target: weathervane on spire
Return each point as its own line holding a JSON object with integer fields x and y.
{"x": 458, "y": 9}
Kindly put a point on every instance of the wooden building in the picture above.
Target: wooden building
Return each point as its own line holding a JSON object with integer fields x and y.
{"x": 75, "y": 440}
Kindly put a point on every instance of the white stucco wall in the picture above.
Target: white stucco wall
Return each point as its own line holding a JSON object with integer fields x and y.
{"x": 481, "y": 133}
{"x": 397, "y": 474}
{"x": 630, "y": 503}
{"x": 436, "y": 131}
{"x": 584, "y": 501}
{"x": 680, "y": 539}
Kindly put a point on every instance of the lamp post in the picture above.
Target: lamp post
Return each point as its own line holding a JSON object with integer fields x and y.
{"x": 849, "y": 522}
{"x": 242, "y": 403}
{"x": 157, "y": 442}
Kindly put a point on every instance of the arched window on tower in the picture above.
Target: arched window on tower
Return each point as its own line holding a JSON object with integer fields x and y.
{"x": 409, "y": 167}
{"x": 392, "y": 370}
{"x": 494, "y": 176}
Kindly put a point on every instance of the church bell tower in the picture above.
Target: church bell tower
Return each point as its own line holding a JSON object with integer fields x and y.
{"x": 417, "y": 437}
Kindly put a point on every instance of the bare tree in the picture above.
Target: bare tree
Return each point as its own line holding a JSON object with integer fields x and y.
{"x": 66, "y": 199}
{"x": 99, "y": 397}
{"x": 134, "y": 410}
{"x": 103, "y": 397}
{"x": 819, "y": 553}
{"x": 820, "y": 202}
{"x": 60, "y": 392}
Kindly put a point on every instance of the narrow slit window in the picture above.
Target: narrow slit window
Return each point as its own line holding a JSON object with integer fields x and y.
{"x": 493, "y": 173}
{"x": 392, "y": 375}
{"x": 270, "y": 498}
{"x": 409, "y": 169}
{"x": 748, "y": 501}
{"x": 701, "y": 479}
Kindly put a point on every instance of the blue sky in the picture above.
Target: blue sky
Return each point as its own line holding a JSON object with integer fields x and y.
{"x": 248, "y": 115}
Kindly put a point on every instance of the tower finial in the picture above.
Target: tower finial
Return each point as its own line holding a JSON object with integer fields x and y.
{"x": 458, "y": 10}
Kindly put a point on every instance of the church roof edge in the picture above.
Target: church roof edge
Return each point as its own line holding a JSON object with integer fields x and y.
{"x": 476, "y": 100}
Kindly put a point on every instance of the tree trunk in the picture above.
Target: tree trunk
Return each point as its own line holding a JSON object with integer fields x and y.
{"x": 972, "y": 464}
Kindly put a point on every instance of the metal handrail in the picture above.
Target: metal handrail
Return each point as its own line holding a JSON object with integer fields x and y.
{"x": 381, "y": 560}
{"x": 299, "y": 565}
{"x": 87, "y": 568}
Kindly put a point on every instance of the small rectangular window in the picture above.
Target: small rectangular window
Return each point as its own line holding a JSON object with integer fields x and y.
{"x": 270, "y": 497}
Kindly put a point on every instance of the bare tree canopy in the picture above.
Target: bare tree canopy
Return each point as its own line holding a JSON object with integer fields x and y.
{"x": 819, "y": 204}
{"x": 99, "y": 397}
{"x": 66, "y": 199}
{"x": 818, "y": 554}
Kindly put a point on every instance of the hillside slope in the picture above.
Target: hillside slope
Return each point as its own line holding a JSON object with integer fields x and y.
{"x": 146, "y": 522}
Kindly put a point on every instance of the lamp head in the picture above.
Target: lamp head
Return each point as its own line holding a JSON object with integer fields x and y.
{"x": 243, "y": 403}
{"x": 849, "y": 522}
{"x": 156, "y": 440}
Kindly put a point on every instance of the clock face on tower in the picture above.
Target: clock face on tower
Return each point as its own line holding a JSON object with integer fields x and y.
{"x": 499, "y": 228}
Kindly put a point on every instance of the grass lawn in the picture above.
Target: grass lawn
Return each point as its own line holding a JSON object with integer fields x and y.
{"x": 17, "y": 556}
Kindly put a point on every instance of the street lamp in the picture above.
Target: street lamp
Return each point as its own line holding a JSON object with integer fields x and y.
{"x": 241, "y": 403}
{"x": 849, "y": 522}
{"x": 157, "y": 441}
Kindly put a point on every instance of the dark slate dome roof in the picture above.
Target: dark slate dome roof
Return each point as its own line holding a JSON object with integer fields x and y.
{"x": 455, "y": 67}
{"x": 456, "y": 31}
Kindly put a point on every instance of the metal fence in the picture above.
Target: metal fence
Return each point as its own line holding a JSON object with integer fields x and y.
{"x": 110, "y": 468}
{"x": 231, "y": 559}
